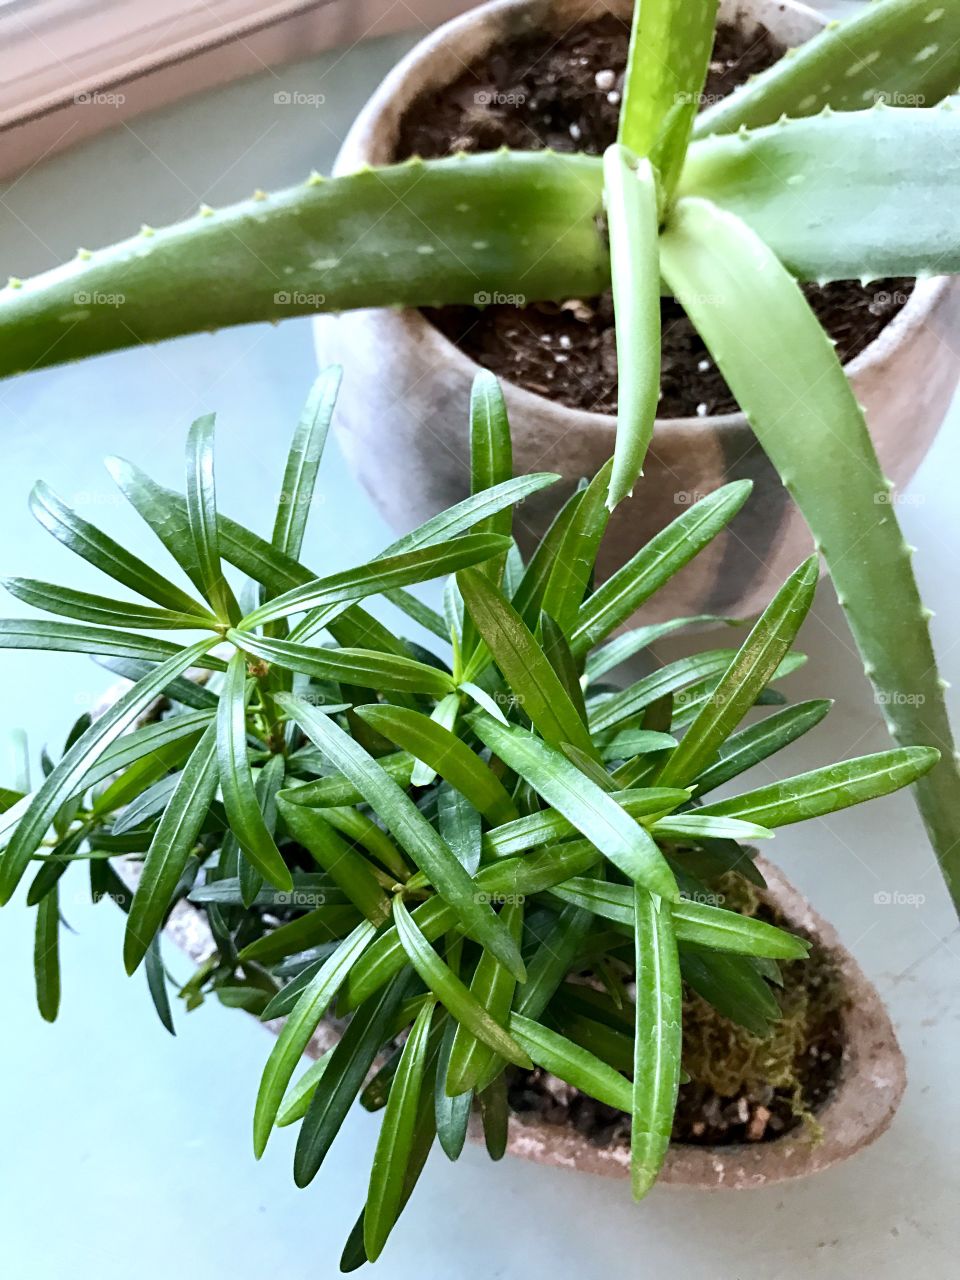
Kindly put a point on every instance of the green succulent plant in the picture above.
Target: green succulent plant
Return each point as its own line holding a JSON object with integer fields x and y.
{"x": 789, "y": 179}
{"x": 430, "y": 841}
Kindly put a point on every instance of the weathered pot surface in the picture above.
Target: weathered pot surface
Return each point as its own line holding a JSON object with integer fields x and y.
{"x": 402, "y": 414}
{"x": 868, "y": 1094}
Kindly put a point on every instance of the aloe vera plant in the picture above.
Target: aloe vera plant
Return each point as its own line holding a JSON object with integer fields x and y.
{"x": 445, "y": 845}
{"x": 805, "y": 173}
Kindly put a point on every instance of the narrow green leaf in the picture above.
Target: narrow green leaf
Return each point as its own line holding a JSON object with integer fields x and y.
{"x": 317, "y": 928}
{"x": 558, "y": 948}
{"x": 623, "y": 647}
{"x": 157, "y": 984}
{"x": 759, "y": 741}
{"x": 384, "y": 672}
{"x": 67, "y": 637}
{"x": 633, "y": 225}
{"x": 529, "y": 594}
{"x": 170, "y": 848}
{"x": 549, "y": 825}
{"x": 444, "y": 714}
{"x": 495, "y": 1117}
{"x": 562, "y": 1058}
{"x": 611, "y": 711}
{"x": 100, "y": 550}
{"x": 340, "y": 1083}
{"x": 394, "y": 1146}
{"x": 653, "y": 565}
{"x": 297, "y": 1031}
{"x": 378, "y": 576}
{"x": 444, "y": 752}
{"x": 657, "y": 1043}
{"x": 703, "y": 925}
{"x": 491, "y": 456}
{"x": 697, "y": 826}
{"x": 452, "y": 1112}
{"x": 472, "y": 1063}
{"x": 741, "y": 684}
{"x": 572, "y": 567}
{"x": 77, "y": 762}
{"x": 46, "y": 956}
{"x": 525, "y": 667}
{"x": 348, "y": 868}
{"x": 822, "y": 791}
{"x": 451, "y": 992}
{"x": 236, "y": 779}
{"x": 93, "y": 608}
{"x": 733, "y": 986}
{"x": 297, "y": 1099}
{"x": 591, "y": 810}
{"x": 202, "y": 516}
{"x": 337, "y": 789}
{"x": 412, "y": 831}
{"x": 303, "y": 461}
{"x": 460, "y": 826}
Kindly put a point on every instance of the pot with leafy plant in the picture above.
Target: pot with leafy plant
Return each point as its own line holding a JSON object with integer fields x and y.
{"x": 504, "y": 875}
{"x": 729, "y": 211}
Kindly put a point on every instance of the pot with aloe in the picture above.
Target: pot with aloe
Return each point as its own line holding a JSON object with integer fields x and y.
{"x": 731, "y": 212}
{"x": 489, "y": 889}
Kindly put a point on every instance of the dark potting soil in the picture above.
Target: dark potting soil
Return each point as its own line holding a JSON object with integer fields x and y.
{"x": 564, "y": 92}
{"x": 742, "y": 1088}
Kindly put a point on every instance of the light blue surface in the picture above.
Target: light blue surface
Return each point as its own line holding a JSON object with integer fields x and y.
{"x": 126, "y": 1153}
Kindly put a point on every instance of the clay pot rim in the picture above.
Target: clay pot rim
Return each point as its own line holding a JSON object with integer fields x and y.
{"x": 361, "y": 148}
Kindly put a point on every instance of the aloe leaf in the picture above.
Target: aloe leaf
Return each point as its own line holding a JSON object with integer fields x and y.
{"x": 472, "y": 1063}
{"x": 445, "y": 753}
{"x": 759, "y": 741}
{"x": 535, "y": 214}
{"x": 452, "y": 1113}
{"x": 860, "y": 194}
{"x": 527, "y": 671}
{"x": 891, "y": 51}
{"x": 811, "y": 428}
{"x": 298, "y": 1029}
{"x": 657, "y": 1042}
{"x": 572, "y": 1063}
{"x": 826, "y": 790}
{"x": 411, "y": 830}
{"x": 741, "y": 684}
{"x": 236, "y": 779}
{"x": 100, "y": 609}
{"x": 633, "y": 224}
{"x": 303, "y": 462}
{"x": 670, "y": 46}
{"x": 170, "y": 848}
{"x": 100, "y": 550}
{"x": 572, "y": 565}
{"x": 385, "y": 672}
{"x": 451, "y": 992}
{"x": 591, "y": 810}
{"x": 377, "y": 576}
{"x": 76, "y": 763}
{"x": 202, "y": 517}
{"x": 654, "y": 564}
{"x": 346, "y": 867}
{"x": 46, "y": 956}
{"x": 394, "y": 1146}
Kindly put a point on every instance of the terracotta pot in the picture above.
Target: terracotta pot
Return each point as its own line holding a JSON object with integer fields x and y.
{"x": 402, "y": 414}
{"x": 871, "y": 1083}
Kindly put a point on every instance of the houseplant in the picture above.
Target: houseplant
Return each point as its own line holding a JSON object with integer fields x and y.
{"x": 833, "y": 195}
{"x": 376, "y": 799}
